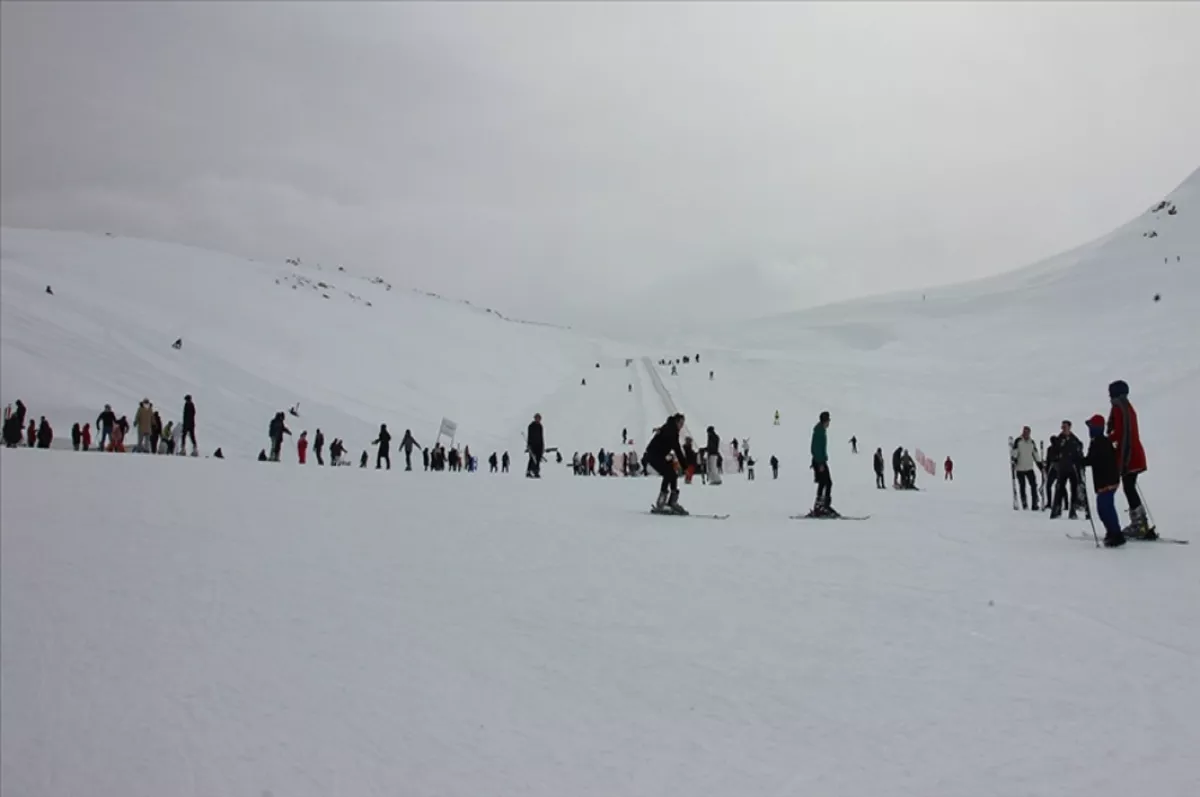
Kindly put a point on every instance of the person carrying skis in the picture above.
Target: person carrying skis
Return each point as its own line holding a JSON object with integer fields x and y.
{"x": 1106, "y": 477}
{"x": 819, "y": 448}
{"x": 878, "y": 463}
{"x": 1131, "y": 457}
{"x": 1024, "y": 459}
{"x": 1070, "y": 460}
{"x": 384, "y": 441}
{"x": 662, "y": 454}
{"x": 535, "y": 443}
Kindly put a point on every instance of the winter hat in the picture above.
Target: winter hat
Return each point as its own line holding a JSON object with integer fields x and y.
{"x": 1095, "y": 425}
{"x": 1118, "y": 389}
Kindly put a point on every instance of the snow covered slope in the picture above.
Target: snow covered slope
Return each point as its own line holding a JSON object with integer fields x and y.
{"x": 258, "y": 338}
{"x": 174, "y": 626}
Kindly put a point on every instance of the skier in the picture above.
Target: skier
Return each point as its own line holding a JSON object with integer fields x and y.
{"x": 1106, "y": 477}
{"x": 713, "y": 447}
{"x": 853, "y": 445}
{"x": 624, "y": 436}
{"x": 189, "y": 428}
{"x": 302, "y": 446}
{"x": 407, "y": 443}
{"x": 1131, "y": 457}
{"x": 663, "y": 453}
{"x": 710, "y": 376}
{"x": 774, "y": 467}
{"x": 1025, "y": 458}
{"x": 1070, "y": 460}
{"x": 384, "y": 441}
{"x": 823, "y": 507}
{"x": 1050, "y": 473}
{"x": 156, "y": 431}
{"x": 318, "y": 444}
{"x": 878, "y": 462}
{"x": 535, "y": 442}
{"x": 14, "y": 424}
{"x": 336, "y": 449}
{"x": 949, "y": 468}
{"x": 776, "y": 417}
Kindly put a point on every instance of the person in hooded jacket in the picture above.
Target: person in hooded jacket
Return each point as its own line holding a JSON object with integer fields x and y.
{"x": 1106, "y": 478}
{"x": 1126, "y": 437}
{"x": 143, "y": 419}
{"x": 663, "y": 454}
{"x": 1025, "y": 458}
{"x": 384, "y": 441}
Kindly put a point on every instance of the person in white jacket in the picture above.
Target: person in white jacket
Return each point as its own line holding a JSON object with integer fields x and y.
{"x": 1025, "y": 460}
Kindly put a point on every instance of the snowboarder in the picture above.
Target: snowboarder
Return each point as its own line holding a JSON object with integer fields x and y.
{"x": 949, "y": 468}
{"x": 664, "y": 454}
{"x": 318, "y": 444}
{"x": 362, "y": 461}
{"x": 14, "y": 424}
{"x": 712, "y": 467}
{"x": 853, "y": 445}
{"x": 384, "y": 441}
{"x": 819, "y": 448}
{"x": 1131, "y": 457}
{"x": 535, "y": 442}
{"x": 302, "y": 447}
{"x": 878, "y": 462}
{"x": 774, "y": 467}
{"x": 1025, "y": 458}
{"x": 188, "y": 430}
{"x": 1106, "y": 477}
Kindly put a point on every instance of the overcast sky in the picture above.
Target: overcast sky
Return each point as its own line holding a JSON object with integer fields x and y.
{"x": 604, "y": 162}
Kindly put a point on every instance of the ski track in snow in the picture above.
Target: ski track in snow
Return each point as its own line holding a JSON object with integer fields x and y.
{"x": 197, "y": 627}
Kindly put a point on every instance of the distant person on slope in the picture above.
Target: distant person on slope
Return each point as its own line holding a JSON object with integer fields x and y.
{"x": 76, "y": 436}
{"x": 302, "y": 447}
{"x": 949, "y": 470}
{"x": 878, "y": 462}
{"x": 535, "y": 442}
{"x": 713, "y": 446}
{"x": 1070, "y": 460}
{"x": 318, "y": 444}
{"x": 275, "y": 431}
{"x": 853, "y": 445}
{"x": 663, "y": 453}
{"x": 1131, "y": 457}
{"x": 897, "y": 458}
{"x": 1106, "y": 477}
{"x": 384, "y": 441}
{"x": 45, "y": 435}
{"x": 504, "y": 462}
{"x": 86, "y": 436}
{"x": 105, "y": 422}
{"x": 189, "y": 429}
{"x": 774, "y": 467}
{"x": 1025, "y": 459}
{"x": 819, "y": 449}
{"x": 143, "y": 421}
{"x": 407, "y": 443}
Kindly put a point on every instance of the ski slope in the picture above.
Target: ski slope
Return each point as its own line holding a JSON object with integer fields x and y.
{"x": 179, "y": 626}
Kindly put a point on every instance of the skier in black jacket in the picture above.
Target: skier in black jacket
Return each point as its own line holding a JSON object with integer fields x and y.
{"x": 1106, "y": 478}
{"x": 189, "y": 427}
{"x": 384, "y": 441}
{"x": 318, "y": 444}
{"x": 407, "y": 443}
{"x": 663, "y": 453}
{"x": 535, "y": 444}
{"x": 276, "y": 431}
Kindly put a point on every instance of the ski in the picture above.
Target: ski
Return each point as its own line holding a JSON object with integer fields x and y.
{"x": 1129, "y": 538}
{"x": 828, "y": 517}
{"x": 676, "y": 514}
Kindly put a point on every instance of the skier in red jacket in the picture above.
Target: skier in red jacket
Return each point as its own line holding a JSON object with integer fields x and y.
{"x": 302, "y": 446}
{"x": 1131, "y": 457}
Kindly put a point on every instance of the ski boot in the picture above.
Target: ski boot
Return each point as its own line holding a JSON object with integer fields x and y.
{"x": 660, "y": 506}
{"x": 1139, "y": 525}
{"x": 823, "y": 509}
{"x": 673, "y": 504}
{"x": 1114, "y": 539}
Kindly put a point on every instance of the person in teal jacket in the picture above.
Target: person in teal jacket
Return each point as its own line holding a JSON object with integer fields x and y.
{"x": 820, "y": 466}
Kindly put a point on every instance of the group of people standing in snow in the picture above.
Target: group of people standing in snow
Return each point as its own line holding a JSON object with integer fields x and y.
{"x": 153, "y": 437}
{"x": 1115, "y": 456}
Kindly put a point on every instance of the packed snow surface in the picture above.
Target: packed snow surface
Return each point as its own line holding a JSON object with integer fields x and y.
{"x": 179, "y": 626}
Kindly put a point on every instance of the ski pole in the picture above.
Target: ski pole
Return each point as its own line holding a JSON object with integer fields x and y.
{"x": 1146, "y": 506}
{"x": 1088, "y": 506}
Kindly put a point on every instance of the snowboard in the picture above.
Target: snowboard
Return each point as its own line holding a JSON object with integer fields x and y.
{"x": 828, "y": 517}
{"x": 665, "y": 513}
{"x": 1128, "y": 539}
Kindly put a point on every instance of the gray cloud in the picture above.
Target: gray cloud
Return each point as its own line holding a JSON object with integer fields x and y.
{"x": 581, "y": 162}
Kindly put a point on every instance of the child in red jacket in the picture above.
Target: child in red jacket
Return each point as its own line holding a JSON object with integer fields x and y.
{"x": 1131, "y": 457}
{"x": 302, "y": 446}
